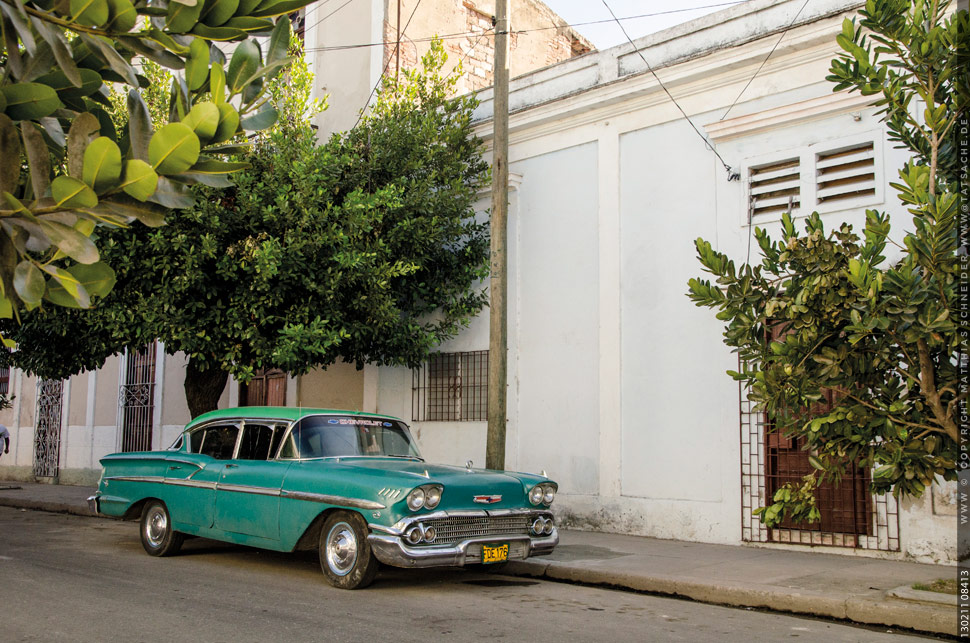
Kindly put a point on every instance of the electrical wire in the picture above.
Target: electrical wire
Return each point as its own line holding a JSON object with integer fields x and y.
{"x": 318, "y": 22}
{"x": 765, "y": 61}
{"x": 386, "y": 65}
{"x": 470, "y": 34}
{"x": 732, "y": 175}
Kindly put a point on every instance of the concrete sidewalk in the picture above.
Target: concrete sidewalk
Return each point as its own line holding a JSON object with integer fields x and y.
{"x": 852, "y": 588}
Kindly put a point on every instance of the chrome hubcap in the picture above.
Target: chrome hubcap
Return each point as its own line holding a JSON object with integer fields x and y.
{"x": 156, "y": 526}
{"x": 341, "y": 549}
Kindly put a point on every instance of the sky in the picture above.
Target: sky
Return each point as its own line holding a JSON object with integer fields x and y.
{"x": 608, "y": 34}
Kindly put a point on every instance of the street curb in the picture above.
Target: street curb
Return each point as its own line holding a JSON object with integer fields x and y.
{"x": 934, "y": 619}
{"x": 53, "y": 507}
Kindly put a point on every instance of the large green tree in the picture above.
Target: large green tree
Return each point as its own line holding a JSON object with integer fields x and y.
{"x": 365, "y": 248}
{"x": 66, "y": 169}
{"x": 825, "y": 311}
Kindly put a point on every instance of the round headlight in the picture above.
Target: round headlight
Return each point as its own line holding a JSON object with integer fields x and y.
{"x": 432, "y": 497}
{"x": 414, "y": 535}
{"x": 430, "y": 533}
{"x": 537, "y": 525}
{"x": 416, "y": 499}
{"x": 547, "y": 529}
{"x": 535, "y": 495}
{"x": 549, "y": 495}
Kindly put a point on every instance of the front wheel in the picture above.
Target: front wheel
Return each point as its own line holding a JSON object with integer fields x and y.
{"x": 157, "y": 536}
{"x": 345, "y": 555}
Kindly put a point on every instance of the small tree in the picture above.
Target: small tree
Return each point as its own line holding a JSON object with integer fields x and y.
{"x": 884, "y": 340}
{"x": 365, "y": 249}
{"x": 66, "y": 168}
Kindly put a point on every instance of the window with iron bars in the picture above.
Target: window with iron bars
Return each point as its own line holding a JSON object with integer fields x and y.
{"x": 4, "y": 380}
{"x": 451, "y": 387}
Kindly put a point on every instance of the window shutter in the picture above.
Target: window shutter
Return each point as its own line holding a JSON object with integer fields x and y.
{"x": 771, "y": 187}
{"x": 847, "y": 173}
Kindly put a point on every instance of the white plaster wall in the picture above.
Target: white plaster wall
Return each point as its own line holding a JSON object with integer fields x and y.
{"x": 679, "y": 409}
{"x": 555, "y": 369}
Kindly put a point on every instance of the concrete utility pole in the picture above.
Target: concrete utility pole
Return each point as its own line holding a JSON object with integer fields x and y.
{"x": 498, "y": 282}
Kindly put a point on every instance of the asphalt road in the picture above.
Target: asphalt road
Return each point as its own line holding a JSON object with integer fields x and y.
{"x": 67, "y": 578}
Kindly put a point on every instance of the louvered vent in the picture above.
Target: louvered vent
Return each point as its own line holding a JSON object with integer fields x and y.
{"x": 846, "y": 174}
{"x": 773, "y": 185}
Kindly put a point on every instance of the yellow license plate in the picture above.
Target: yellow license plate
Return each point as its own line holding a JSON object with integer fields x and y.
{"x": 495, "y": 553}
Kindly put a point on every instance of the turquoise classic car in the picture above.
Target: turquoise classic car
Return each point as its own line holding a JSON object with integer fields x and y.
{"x": 351, "y": 485}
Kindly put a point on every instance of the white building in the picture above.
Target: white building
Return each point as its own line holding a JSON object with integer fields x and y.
{"x": 617, "y": 384}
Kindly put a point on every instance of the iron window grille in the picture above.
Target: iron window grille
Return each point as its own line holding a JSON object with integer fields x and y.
{"x": 852, "y": 517}
{"x": 4, "y": 380}
{"x": 451, "y": 387}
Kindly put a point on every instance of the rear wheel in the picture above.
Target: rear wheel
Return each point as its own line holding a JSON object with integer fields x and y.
{"x": 345, "y": 555}
{"x": 157, "y": 536}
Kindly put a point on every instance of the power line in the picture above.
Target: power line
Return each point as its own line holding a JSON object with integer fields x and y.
{"x": 470, "y": 34}
{"x": 318, "y": 22}
{"x": 732, "y": 175}
{"x": 386, "y": 65}
{"x": 764, "y": 62}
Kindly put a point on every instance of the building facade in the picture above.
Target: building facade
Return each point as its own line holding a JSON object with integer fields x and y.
{"x": 617, "y": 384}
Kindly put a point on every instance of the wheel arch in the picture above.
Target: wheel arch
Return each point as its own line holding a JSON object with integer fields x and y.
{"x": 311, "y": 535}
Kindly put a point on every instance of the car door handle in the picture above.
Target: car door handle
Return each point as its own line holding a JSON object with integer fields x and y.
{"x": 232, "y": 466}
{"x": 174, "y": 467}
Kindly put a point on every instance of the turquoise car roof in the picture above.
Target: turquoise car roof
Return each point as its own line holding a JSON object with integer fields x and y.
{"x": 278, "y": 413}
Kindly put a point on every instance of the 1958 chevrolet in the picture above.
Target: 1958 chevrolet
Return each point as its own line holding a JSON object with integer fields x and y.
{"x": 352, "y": 485}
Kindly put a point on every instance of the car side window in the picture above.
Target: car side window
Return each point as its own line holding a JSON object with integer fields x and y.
{"x": 259, "y": 441}
{"x": 218, "y": 442}
{"x": 289, "y": 452}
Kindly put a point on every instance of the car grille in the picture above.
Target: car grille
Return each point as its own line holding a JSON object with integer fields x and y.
{"x": 457, "y": 528}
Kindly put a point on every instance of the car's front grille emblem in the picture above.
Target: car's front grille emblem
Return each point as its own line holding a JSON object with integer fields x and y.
{"x": 487, "y": 500}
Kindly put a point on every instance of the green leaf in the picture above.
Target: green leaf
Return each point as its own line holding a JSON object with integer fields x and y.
{"x": 121, "y": 16}
{"x": 69, "y": 240}
{"x": 38, "y": 158}
{"x": 173, "y": 195}
{"x": 216, "y": 12}
{"x": 263, "y": 119}
{"x": 197, "y": 64}
{"x": 139, "y": 180}
{"x": 97, "y": 278}
{"x": 243, "y": 64}
{"x": 29, "y": 282}
{"x": 204, "y": 121}
{"x": 83, "y": 130}
{"x": 271, "y": 9}
{"x": 90, "y": 82}
{"x": 29, "y": 101}
{"x": 92, "y": 13}
{"x": 149, "y": 214}
{"x": 217, "y": 83}
{"x": 173, "y": 149}
{"x": 65, "y": 290}
{"x": 217, "y": 33}
{"x": 279, "y": 42}
{"x": 246, "y": 23}
{"x": 210, "y": 166}
{"x": 182, "y": 18}
{"x": 228, "y": 123}
{"x": 139, "y": 125}
{"x": 10, "y": 159}
{"x": 102, "y": 164}
{"x": 69, "y": 192}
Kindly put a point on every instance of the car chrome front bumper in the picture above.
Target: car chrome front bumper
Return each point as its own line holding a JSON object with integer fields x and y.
{"x": 392, "y": 550}
{"x": 93, "y": 504}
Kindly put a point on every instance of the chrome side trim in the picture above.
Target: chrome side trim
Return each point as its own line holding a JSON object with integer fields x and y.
{"x": 137, "y": 478}
{"x": 202, "y": 484}
{"x": 332, "y": 500}
{"x": 186, "y": 461}
{"x": 238, "y": 488}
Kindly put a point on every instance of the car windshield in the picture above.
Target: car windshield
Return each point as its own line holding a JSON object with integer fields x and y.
{"x": 328, "y": 436}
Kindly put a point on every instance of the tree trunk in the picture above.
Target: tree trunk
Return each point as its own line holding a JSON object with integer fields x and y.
{"x": 203, "y": 388}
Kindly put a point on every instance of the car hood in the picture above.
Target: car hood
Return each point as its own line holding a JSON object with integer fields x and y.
{"x": 461, "y": 485}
